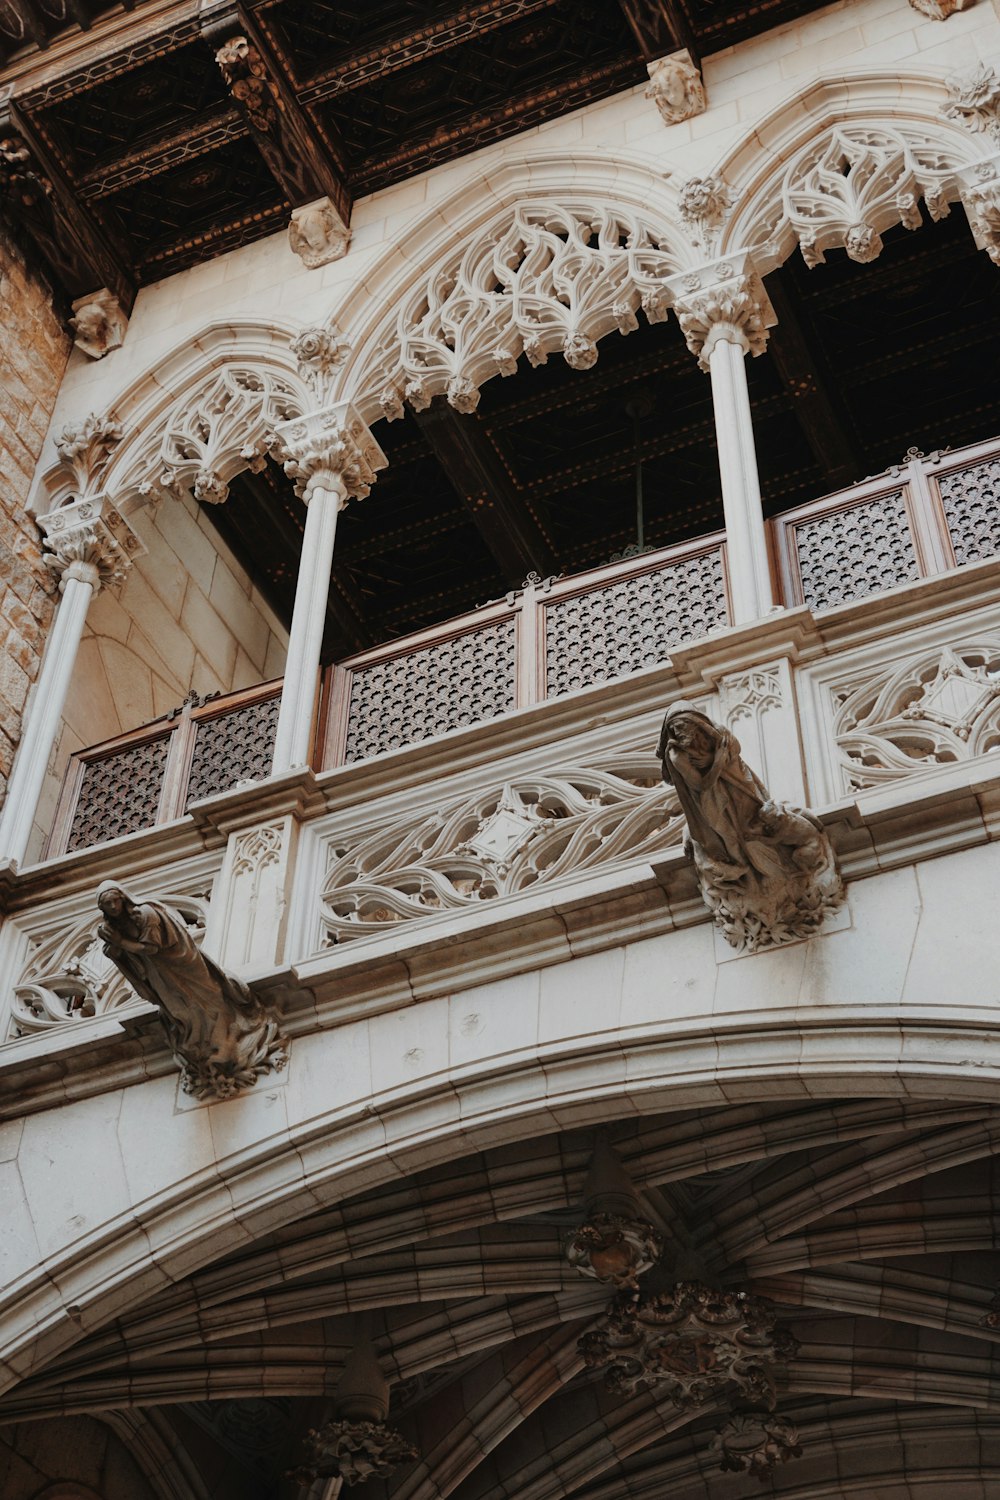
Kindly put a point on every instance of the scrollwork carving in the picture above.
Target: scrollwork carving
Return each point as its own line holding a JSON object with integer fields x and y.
{"x": 503, "y": 840}
{"x": 554, "y": 279}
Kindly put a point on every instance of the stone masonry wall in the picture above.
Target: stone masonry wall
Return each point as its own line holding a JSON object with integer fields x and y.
{"x": 33, "y": 353}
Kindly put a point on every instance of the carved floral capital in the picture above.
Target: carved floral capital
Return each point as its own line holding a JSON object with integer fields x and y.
{"x": 979, "y": 186}
{"x": 89, "y": 540}
{"x": 331, "y": 448}
{"x": 724, "y": 300}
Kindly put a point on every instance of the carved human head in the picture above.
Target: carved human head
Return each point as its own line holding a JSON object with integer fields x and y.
{"x": 113, "y": 900}
{"x": 684, "y": 724}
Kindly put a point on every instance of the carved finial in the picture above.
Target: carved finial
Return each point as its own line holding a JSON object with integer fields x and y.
{"x": 98, "y": 323}
{"x": 676, "y": 87}
{"x": 462, "y": 394}
{"x": 703, "y": 204}
{"x": 317, "y": 234}
{"x": 222, "y": 1036}
{"x": 766, "y": 869}
{"x": 974, "y": 100}
{"x": 86, "y": 446}
{"x": 320, "y": 352}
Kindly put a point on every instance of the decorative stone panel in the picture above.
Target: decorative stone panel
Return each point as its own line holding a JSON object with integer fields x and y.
{"x": 612, "y": 631}
{"x": 971, "y": 500}
{"x": 468, "y": 679}
{"x": 848, "y": 554}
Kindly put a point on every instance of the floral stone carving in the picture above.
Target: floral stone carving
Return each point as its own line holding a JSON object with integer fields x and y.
{"x": 756, "y": 1443}
{"x": 222, "y": 1036}
{"x": 691, "y": 1342}
{"x": 355, "y": 1451}
{"x": 766, "y": 869}
{"x": 974, "y": 100}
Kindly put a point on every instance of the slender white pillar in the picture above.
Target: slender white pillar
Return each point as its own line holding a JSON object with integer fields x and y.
{"x": 332, "y": 456}
{"x": 724, "y": 314}
{"x": 298, "y": 695}
{"x": 89, "y": 545}
{"x": 746, "y": 541}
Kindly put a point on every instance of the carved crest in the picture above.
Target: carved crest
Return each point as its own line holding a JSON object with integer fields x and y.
{"x": 499, "y": 842}
{"x": 937, "y": 708}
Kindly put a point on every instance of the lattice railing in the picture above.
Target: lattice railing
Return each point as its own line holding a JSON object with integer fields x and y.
{"x": 152, "y": 774}
{"x": 545, "y": 640}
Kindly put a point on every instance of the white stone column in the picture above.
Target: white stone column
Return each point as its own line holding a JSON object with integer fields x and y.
{"x": 724, "y": 314}
{"x": 332, "y": 457}
{"x": 89, "y": 545}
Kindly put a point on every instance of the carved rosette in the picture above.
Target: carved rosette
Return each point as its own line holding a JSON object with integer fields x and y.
{"x": 330, "y": 449}
{"x": 703, "y": 204}
{"x": 691, "y": 1343}
{"x": 88, "y": 539}
{"x": 317, "y": 234}
{"x": 974, "y": 100}
{"x": 98, "y": 323}
{"x": 355, "y": 1451}
{"x": 723, "y": 301}
{"x": 676, "y": 87}
{"x": 756, "y": 1443}
{"x": 613, "y": 1248}
{"x": 319, "y": 353}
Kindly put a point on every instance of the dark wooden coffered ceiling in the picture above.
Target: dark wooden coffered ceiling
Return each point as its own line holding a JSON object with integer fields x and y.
{"x": 134, "y": 159}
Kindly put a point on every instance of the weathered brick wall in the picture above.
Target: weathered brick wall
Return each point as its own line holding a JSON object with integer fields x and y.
{"x": 34, "y": 348}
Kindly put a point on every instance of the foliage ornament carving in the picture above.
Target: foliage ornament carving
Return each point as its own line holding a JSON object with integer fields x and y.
{"x": 85, "y": 447}
{"x": 330, "y": 449}
{"x": 98, "y": 323}
{"x": 974, "y": 100}
{"x": 979, "y": 186}
{"x": 554, "y": 279}
{"x": 692, "y": 1343}
{"x": 357, "y": 1444}
{"x": 223, "y": 1038}
{"x": 703, "y": 204}
{"x": 223, "y": 429}
{"x": 935, "y": 709}
{"x": 722, "y": 301}
{"x": 756, "y": 1443}
{"x": 766, "y": 869}
{"x": 88, "y": 539}
{"x": 847, "y": 186}
{"x": 245, "y": 75}
{"x": 505, "y": 839}
{"x": 676, "y": 87}
{"x": 317, "y": 234}
{"x": 319, "y": 354}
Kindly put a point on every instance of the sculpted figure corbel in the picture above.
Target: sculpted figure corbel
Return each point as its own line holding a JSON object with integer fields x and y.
{"x": 766, "y": 869}
{"x": 222, "y": 1036}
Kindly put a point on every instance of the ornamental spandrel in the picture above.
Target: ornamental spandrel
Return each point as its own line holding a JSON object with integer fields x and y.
{"x": 691, "y": 1343}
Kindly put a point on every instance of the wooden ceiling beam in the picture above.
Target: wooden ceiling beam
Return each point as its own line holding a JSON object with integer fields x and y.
{"x": 35, "y": 193}
{"x": 299, "y": 159}
{"x": 820, "y": 413}
{"x": 660, "y": 27}
{"x": 208, "y": 133}
{"x": 23, "y": 24}
{"x": 477, "y": 474}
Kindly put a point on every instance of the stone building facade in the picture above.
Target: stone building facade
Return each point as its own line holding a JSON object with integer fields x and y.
{"x": 516, "y": 1020}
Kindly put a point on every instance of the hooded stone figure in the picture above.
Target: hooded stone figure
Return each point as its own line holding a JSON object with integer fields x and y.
{"x": 221, "y": 1034}
{"x": 720, "y": 796}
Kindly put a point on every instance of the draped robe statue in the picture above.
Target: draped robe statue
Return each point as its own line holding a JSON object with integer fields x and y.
{"x": 221, "y": 1034}
{"x": 766, "y": 869}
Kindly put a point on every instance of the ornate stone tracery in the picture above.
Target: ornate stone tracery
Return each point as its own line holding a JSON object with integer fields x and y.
{"x": 554, "y": 279}
{"x": 505, "y": 839}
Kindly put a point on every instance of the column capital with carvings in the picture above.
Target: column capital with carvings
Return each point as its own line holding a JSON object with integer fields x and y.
{"x": 332, "y": 448}
{"x": 89, "y": 540}
{"x": 979, "y": 189}
{"x": 722, "y": 301}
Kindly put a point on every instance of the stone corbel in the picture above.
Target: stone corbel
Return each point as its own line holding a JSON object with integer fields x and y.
{"x": 722, "y": 300}
{"x": 330, "y": 449}
{"x": 676, "y": 87}
{"x": 317, "y": 234}
{"x": 979, "y": 188}
{"x": 939, "y": 10}
{"x": 89, "y": 539}
{"x": 98, "y": 323}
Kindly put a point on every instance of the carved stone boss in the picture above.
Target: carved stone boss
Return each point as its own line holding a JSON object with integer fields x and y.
{"x": 221, "y": 1035}
{"x": 357, "y": 1443}
{"x": 615, "y": 1243}
{"x": 766, "y": 869}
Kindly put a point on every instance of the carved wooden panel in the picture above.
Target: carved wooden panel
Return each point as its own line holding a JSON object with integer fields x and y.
{"x": 611, "y": 631}
{"x": 233, "y": 747}
{"x": 119, "y": 793}
{"x": 848, "y": 554}
{"x": 466, "y": 679}
{"x": 971, "y": 501}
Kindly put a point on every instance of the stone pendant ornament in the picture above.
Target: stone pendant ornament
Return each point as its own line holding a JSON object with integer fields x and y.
{"x": 357, "y": 1443}
{"x": 756, "y": 1442}
{"x": 766, "y": 869}
{"x": 691, "y": 1343}
{"x": 615, "y": 1243}
{"x": 222, "y": 1036}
